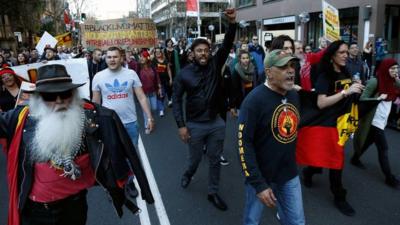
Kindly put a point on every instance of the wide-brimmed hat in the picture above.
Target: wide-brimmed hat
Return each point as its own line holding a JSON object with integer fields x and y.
{"x": 54, "y": 78}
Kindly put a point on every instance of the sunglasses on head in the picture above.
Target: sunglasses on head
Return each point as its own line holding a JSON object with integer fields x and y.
{"x": 51, "y": 97}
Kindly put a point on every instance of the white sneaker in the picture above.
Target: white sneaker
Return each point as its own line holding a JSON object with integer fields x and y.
{"x": 169, "y": 103}
{"x": 223, "y": 161}
{"x": 161, "y": 113}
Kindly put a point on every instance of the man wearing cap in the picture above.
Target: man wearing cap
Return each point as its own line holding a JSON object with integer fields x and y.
{"x": 59, "y": 147}
{"x": 267, "y": 134}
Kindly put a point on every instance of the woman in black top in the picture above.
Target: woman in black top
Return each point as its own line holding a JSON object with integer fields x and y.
{"x": 318, "y": 144}
{"x": 162, "y": 67}
{"x": 10, "y": 89}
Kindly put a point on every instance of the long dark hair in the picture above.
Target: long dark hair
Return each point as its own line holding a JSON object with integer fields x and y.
{"x": 326, "y": 64}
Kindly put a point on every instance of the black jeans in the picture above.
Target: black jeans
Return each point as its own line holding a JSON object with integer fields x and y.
{"x": 69, "y": 211}
{"x": 335, "y": 178}
{"x": 378, "y": 137}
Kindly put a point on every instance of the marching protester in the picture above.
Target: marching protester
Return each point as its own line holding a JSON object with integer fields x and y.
{"x": 49, "y": 54}
{"x": 164, "y": 74}
{"x": 55, "y": 144}
{"x": 151, "y": 85}
{"x": 243, "y": 80}
{"x": 317, "y": 144}
{"x": 34, "y": 56}
{"x": 201, "y": 82}
{"x": 22, "y": 59}
{"x": 10, "y": 85}
{"x": 173, "y": 60}
{"x": 354, "y": 64}
{"x": 114, "y": 88}
{"x": 258, "y": 54}
{"x": 95, "y": 65}
{"x": 384, "y": 88}
{"x": 268, "y": 123}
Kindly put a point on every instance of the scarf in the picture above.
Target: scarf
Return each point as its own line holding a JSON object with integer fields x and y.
{"x": 386, "y": 83}
{"x": 246, "y": 74}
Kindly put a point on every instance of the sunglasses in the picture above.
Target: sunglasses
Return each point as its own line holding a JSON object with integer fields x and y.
{"x": 51, "y": 97}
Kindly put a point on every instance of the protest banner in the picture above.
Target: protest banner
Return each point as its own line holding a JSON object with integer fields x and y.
{"x": 76, "y": 68}
{"x": 127, "y": 32}
{"x": 331, "y": 25}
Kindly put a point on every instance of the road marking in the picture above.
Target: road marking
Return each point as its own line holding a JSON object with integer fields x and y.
{"x": 159, "y": 205}
{"x": 144, "y": 214}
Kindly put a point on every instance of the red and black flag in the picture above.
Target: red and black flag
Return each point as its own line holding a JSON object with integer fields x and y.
{"x": 324, "y": 132}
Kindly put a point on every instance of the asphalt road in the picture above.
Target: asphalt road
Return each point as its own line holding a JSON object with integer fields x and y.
{"x": 375, "y": 203}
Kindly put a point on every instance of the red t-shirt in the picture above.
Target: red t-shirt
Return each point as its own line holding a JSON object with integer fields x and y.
{"x": 49, "y": 185}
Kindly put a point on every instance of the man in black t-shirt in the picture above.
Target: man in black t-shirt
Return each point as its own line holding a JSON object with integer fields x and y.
{"x": 268, "y": 123}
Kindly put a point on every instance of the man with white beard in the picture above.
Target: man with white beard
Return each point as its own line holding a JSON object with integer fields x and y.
{"x": 59, "y": 147}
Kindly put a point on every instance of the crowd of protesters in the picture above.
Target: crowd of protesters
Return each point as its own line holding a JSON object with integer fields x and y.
{"x": 324, "y": 79}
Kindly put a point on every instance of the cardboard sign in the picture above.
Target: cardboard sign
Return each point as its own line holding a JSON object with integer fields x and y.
{"x": 46, "y": 39}
{"x": 133, "y": 33}
{"x": 330, "y": 22}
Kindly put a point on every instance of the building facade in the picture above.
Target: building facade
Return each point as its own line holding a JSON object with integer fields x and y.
{"x": 143, "y": 9}
{"x": 360, "y": 20}
{"x": 25, "y": 19}
{"x": 170, "y": 17}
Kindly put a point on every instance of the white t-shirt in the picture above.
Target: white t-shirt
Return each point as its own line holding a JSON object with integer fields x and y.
{"x": 382, "y": 114}
{"x": 116, "y": 89}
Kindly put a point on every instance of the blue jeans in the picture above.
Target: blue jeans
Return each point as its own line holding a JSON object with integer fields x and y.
{"x": 132, "y": 129}
{"x": 160, "y": 99}
{"x": 152, "y": 100}
{"x": 289, "y": 204}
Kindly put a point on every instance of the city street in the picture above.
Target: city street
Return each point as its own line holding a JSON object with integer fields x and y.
{"x": 375, "y": 203}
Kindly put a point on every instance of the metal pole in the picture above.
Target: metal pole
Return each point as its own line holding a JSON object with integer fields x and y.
{"x": 220, "y": 26}
{"x": 198, "y": 18}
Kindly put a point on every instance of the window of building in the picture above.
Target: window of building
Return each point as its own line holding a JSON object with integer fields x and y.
{"x": 245, "y": 3}
{"x": 348, "y": 26}
{"x": 392, "y": 28}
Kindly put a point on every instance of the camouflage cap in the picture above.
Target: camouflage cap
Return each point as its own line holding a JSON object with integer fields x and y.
{"x": 277, "y": 57}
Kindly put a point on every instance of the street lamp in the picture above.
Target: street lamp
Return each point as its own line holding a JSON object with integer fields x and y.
{"x": 211, "y": 29}
{"x": 304, "y": 17}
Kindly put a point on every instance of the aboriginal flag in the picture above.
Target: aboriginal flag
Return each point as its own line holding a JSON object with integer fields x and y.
{"x": 323, "y": 133}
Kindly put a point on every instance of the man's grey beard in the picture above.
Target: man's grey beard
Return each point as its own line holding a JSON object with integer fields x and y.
{"x": 58, "y": 134}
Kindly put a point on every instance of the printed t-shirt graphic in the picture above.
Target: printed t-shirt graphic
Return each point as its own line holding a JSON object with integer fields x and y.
{"x": 116, "y": 89}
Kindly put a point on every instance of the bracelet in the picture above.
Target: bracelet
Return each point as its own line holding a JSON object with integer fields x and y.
{"x": 151, "y": 119}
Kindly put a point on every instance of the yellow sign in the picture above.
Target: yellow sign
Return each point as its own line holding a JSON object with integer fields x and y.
{"x": 129, "y": 32}
{"x": 330, "y": 22}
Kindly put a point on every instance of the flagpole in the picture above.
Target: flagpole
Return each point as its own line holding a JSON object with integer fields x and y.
{"x": 198, "y": 18}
